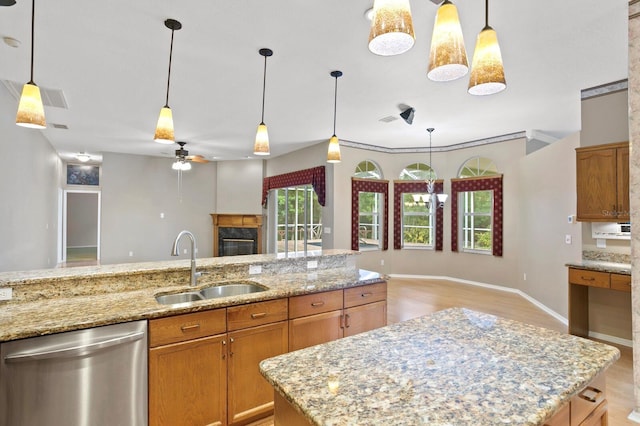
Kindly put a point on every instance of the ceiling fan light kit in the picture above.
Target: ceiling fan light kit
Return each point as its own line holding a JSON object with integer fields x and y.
{"x": 448, "y": 56}
{"x": 391, "y": 30}
{"x": 30, "y": 108}
{"x": 164, "y": 129}
{"x": 333, "y": 153}
{"x": 261, "y": 145}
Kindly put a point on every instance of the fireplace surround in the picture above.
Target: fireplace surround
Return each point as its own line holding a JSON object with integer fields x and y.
{"x": 236, "y": 234}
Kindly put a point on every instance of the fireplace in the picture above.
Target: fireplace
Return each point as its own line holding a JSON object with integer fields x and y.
{"x": 236, "y": 234}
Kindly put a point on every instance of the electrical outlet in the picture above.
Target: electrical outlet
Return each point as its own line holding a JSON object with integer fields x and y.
{"x": 326, "y": 230}
{"x": 312, "y": 264}
{"x": 255, "y": 269}
{"x": 130, "y": 254}
{"x": 6, "y": 293}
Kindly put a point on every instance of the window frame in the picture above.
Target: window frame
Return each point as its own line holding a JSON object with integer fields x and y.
{"x": 401, "y": 187}
{"x": 368, "y": 185}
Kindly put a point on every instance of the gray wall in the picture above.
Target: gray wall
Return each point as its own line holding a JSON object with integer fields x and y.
{"x": 82, "y": 219}
{"x": 29, "y": 182}
{"x": 136, "y": 191}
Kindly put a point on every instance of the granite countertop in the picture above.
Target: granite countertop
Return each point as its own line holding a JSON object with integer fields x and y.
{"x": 455, "y": 367}
{"x": 602, "y": 266}
{"x": 116, "y": 303}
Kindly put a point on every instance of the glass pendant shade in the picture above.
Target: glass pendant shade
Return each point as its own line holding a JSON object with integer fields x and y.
{"x": 391, "y": 27}
{"x": 261, "y": 147}
{"x": 333, "y": 154}
{"x": 181, "y": 165}
{"x": 487, "y": 71}
{"x": 164, "y": 129}
{"x": 448, "y": 56}
{"x": 30, "y": 109}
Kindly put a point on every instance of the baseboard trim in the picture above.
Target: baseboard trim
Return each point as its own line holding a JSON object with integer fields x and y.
{"x": 634, "y": 416}
{"x": 611, "y": 339}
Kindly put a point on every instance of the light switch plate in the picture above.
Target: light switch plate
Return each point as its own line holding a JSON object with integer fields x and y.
{"x": 255, "y": 269}
{"x": 312, "y": 264}
{"x": 6, "y": 293}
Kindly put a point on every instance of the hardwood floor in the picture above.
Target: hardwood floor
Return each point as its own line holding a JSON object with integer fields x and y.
{"x": 410, "y": 298}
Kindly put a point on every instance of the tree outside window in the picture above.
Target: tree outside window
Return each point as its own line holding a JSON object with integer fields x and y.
{"x": 299, "y": 219}
{"x": 418, "y": 216}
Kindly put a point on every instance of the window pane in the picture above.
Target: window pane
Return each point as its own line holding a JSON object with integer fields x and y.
{"x": 482, "y": 201}
{"x": 482, "y": 240}
{"x": 483, "y": 222}
{"x": 299, "y": 220}
{"x": 369, "y": 223}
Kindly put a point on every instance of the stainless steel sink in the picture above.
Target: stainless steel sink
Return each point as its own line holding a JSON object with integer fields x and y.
{"x": 216, "y": 291}
{"x": 232, "y": 289}
{"x": 174, "y": 299}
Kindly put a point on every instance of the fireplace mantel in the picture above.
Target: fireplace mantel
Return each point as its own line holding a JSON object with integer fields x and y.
{"x": 238, "y": 221}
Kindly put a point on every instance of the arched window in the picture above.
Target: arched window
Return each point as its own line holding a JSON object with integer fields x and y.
{"x": 478, "y": 192}
{"x": 370, "y": 204}
{"x": 417, "y": 221}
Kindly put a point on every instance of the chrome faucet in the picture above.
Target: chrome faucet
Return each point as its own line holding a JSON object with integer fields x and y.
{"x": 174, "y": 252}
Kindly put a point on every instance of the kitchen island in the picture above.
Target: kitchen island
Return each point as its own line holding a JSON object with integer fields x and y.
{"x": 454, "y": 367}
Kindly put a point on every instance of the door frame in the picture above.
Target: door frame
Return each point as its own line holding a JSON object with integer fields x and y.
{"x": 62, "y": 252}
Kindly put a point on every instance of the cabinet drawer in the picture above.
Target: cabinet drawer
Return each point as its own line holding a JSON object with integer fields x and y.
{"x": 316, "y": 303}
{"x": 590, "y": 278}
{"x": 179, "y": 328}
{"x": 365, "y": 294}
{"x": 258, "y": 313}
{"x": 621, "y": 282}
{"x": 587, "y": 400}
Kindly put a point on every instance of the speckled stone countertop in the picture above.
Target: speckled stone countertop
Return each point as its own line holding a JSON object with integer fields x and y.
{"x": 618, "y": 263}
{"x": 455, "y": 367}
{"x": 94, "y": 296}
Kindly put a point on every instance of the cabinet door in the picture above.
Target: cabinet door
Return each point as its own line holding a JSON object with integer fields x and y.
{"x": 250, "y": 395}
{"x": 315, "y": 329}
{"x": 364, "y": 318}
{"x": 188, "y": 383}
{"x": 596, "y": 184}
{"x": 623, "y": 183}
{"x": 561, "y": 418}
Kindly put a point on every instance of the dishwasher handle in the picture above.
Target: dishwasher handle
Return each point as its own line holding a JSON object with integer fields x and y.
{"x": 74, "y": 351}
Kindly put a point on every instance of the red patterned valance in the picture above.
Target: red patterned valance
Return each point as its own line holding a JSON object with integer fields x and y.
{"x": 368, "y": 185}
{"x": 490, "y": 183}
{"x": 404, "y": 186}
{"x": 314, "y": 177}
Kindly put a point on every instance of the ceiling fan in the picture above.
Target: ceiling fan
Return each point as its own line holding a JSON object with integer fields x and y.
{"x": 183, "y": 158}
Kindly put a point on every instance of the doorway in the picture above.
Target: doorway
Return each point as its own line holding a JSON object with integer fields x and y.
{"x": 80, "y": 228}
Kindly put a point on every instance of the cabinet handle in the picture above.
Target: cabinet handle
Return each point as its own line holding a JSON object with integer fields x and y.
{"x": 230, "y": 343}
{"x": 591, "y": 394}
{"x": 588, "y": 278}
{"x": 341, "y": 321}
{"x": 191, "y": 327}
{"x": 316, "y": 304}
{"x": 258, "y": 315}
{"x": 366, "y": 294}
{"x": 346, "y": 320}
{"x": 224, "y": 350}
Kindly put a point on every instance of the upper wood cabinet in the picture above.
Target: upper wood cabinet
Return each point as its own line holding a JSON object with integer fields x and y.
{"x": 602, "y": 183}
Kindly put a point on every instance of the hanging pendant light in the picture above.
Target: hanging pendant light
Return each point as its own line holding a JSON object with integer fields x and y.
{"x": 448, "y": 56}
{"x": 333, "y": 154}
{"x": 30, "y": 108}
{"x": 391, "y": 27}
{"x": 437, "y": 200}
{"x": 487, "y": 71}
{"x": 164, "y": 129}
{"x": 261, "y": 146}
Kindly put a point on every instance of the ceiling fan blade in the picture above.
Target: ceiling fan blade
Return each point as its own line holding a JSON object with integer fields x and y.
{"x": 197, "y": 159}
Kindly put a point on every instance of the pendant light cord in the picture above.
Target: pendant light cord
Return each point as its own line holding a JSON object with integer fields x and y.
{"x": 335, "y": 105}
{"x": 169, "y": 73}
{"x": 430, "y": 130}
{"x": 33, "y": 23}
{"x": 486, "y": 13}
{"x": 264, "y": 86}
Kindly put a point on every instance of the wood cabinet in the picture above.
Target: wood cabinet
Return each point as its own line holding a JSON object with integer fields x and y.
{"x": 188, "y": 372}
{"x": 587, "y": 408}
{"x": 579, "y": 282}
{"x": 323, "y": 317}
{"x": 257, "y": 331}
{"x": 602, "y": 183}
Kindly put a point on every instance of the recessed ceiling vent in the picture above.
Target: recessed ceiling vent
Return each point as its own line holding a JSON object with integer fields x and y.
{"x": 50, "y": 97}
{"x": 388, "y": 119}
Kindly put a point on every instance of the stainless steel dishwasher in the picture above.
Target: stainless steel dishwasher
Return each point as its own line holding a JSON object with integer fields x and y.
{"x": 89, "y": 377}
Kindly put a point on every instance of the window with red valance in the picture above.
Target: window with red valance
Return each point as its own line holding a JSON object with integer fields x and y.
{"x": 399, "y": 189}
{"x": 369, "y": 186}
{"x": 314, "y": 177}
{"x": 469, "y": 186}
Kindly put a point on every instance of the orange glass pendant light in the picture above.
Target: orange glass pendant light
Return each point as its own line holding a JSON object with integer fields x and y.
{"x": 261, "y": 145}
{"x": 164, "y": 129}
{"x": 448, "y": 56}
{"x": 391, "y": 27}
{"x": 487, "y": 70}
{"x": 333, "y": 153}
{"x": 30, "y": 109}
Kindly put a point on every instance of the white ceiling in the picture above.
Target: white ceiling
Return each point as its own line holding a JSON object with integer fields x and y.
{"x": 110, "y": 59}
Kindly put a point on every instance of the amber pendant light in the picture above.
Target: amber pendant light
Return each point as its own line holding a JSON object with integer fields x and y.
{"x": 487, "y": 70}
{"x": 448, "y": 56}
{"x": 261, "y": 145}
{"x": 164, "y": 129}
{"x": 391, "y": 27}
{"x": 333, "y": 154}
{"x": 30, "y": 109}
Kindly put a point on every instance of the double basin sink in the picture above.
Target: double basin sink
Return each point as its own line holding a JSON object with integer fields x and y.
{"x": 213, "y": 292}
